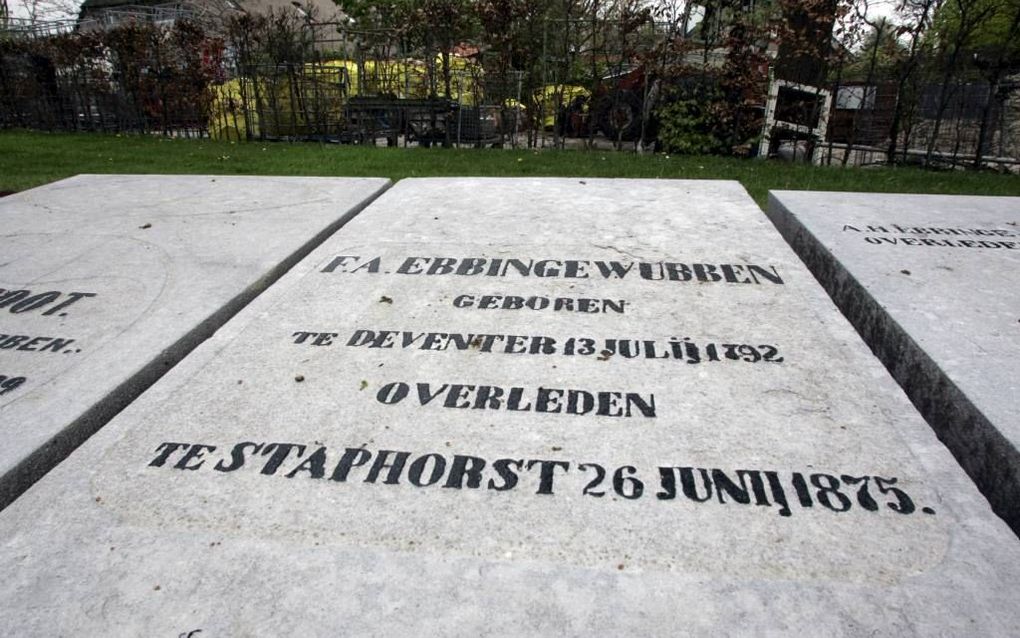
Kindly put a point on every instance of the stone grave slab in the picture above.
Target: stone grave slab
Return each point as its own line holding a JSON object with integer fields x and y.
{"x": 932, "y": 283}
{"x": 107, "y": 281}
{"x": 523, "y": 407}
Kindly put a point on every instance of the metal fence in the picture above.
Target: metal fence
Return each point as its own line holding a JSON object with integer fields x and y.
{"x": 941, "y": 126}
{"x": 326, "y": 101}
{"x": 643, "y": 84}
{"x": 135, "y": 79}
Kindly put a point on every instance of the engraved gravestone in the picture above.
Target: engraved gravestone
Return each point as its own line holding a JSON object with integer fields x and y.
{"x": 932, "y": 283}
{"x": 532, "y": 406}
{"x": 107, "y": 281}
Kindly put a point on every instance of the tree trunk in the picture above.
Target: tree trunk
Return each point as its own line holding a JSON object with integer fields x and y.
{"x": 993, "y": 87}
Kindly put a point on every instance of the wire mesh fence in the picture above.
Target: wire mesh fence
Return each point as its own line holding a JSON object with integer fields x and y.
{"x": 137, "y": 78}
{"x": 687, "y": 81}
{"x": 966, "y": 121}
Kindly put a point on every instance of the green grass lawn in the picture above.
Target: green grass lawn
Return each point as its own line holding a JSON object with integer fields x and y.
{"x": 30, "y": 159}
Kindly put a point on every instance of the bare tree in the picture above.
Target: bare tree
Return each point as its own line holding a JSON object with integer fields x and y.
{"x": 881, "y": 29}
{"x": 996, "y": 65}
{"x": 970, "y": 17}
{"x": 917, "y": 16}
{"x": 49, "y": 10}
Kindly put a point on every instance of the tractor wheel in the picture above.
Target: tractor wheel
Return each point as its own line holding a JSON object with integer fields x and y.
{"x": 570, "y": 121}
{"x": 620, "y": 116}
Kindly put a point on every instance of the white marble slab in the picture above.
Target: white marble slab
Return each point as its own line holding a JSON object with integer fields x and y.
{"x": 614, "y": 407}
{"x": 107, "y": 281}
{"x": 932, "y": 282}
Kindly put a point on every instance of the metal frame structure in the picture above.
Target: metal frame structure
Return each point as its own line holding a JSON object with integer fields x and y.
{"x": 775, "y": 129}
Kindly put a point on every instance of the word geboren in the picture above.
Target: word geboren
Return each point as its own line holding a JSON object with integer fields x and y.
{"x": 782, "y": 492}
{"x": 561, "y": 269}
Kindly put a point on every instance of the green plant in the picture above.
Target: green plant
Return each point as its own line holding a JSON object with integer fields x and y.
{"x": 688, "y": 126}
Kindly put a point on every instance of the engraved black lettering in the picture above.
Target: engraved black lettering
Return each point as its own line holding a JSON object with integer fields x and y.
{"x": 393, "y": 468}
{"x": 339, "y": 262}
{"x": 278, "y": 453}
{"x": 194, "y": 453}
{"x": 165, "y": 450}
{"x": 507, "y": 470}
{"x": 352, "y": 457}
{"x": 600, "y": 475}
{"x": 465, "y": 467}
{"x": 35, "y": 301}
{"x": 425, "y": 395}
{"x": 315, "y": 465}
{"x": 56, "y": 345}
{"x": 613, "y": 269}
{"x": 546, "y": 473}
{"x": 667, "y": 480}
{"x": 456, "y": 397}
{"x": 689, "y": 486}
{"x": 392, "y": 393}
{"x": 237, "y": 456}
{"x": 419, "y": 465}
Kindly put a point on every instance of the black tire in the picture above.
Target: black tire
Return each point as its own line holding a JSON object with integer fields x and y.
{"x": 620, "y": 116}
{"x": 570, "y": 119}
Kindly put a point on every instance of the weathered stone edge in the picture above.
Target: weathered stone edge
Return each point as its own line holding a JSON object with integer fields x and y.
{"x": 991, "y": 461}
{"x": 23, "y": 475}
